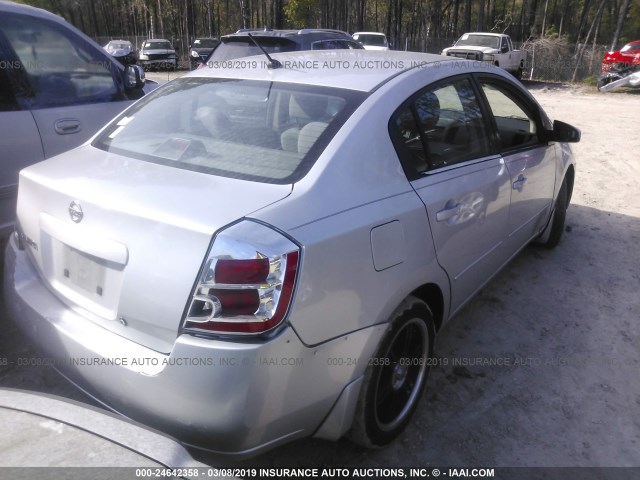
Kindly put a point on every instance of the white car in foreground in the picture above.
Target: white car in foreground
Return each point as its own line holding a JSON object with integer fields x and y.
{"x": 250, "y": 256}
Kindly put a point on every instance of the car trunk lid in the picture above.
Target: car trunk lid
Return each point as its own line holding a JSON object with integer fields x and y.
{"x": 122, "y": 240}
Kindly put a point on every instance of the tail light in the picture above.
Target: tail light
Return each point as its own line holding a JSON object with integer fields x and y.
{"x": 247, "y": 283}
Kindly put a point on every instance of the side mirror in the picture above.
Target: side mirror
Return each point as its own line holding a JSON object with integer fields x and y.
{"x": 563, "y": 132}
{"x": 134, "y": 77}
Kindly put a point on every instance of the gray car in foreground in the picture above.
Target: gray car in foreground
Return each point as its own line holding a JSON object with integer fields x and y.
{"x": 250, "y": 256}
{"x": 42, "y": 430}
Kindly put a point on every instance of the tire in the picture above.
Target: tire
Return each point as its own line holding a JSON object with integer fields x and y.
{"x": 559, "y": 216}
{"x": 395, "y": 378}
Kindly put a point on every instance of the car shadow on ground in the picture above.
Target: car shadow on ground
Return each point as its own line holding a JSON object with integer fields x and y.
{"x": 537, "y": 370}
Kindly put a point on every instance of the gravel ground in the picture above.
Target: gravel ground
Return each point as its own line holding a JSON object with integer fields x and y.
{"x": 561, "y": 325}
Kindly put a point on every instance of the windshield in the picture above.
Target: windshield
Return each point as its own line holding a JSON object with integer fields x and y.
{"x": 490, "y": 41}
{"x": 205, "y": 43}
{"x": 372, "y": 40}
{"x": 158, "y": 46}
{"x": 630, "y": 46}
{"x": 254, "y": 130}
{"x": 237, "y": 47}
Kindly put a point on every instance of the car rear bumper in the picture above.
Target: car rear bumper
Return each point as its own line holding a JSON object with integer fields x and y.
{"x": 230, "y": 397}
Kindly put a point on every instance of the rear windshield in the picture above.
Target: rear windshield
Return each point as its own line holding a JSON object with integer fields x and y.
{"x": 630, "y": 46}
{"x": 254, "y": 130}
{"x": 237, "y": 47}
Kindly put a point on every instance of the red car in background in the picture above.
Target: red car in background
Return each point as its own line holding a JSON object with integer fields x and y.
{"x": 627, "y": 56}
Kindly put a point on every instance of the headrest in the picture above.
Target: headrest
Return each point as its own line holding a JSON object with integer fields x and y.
{"x": 308, "y": 107}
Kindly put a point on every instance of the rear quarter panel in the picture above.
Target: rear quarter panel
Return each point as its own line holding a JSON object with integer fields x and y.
{"x": 355, "y": 186}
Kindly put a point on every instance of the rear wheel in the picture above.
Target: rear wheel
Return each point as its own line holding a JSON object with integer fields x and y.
{"x": 396, "y": 376}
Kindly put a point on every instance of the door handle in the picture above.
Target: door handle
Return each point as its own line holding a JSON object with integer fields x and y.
{"x": 450, "y": 210}
{"x": 67, "y": 126}
{"x": 519, "y": 184}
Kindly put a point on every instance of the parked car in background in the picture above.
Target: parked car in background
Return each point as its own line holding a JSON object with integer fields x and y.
{"x": 372, "y": 40}
{"x": 239, "y": 44}
{"x": 57, "y": 88}
{"x": 268, "y": 252}
{"x": 200, "y": 49}
{"x": 495, "y": 48}
{"x": 627, "y": 56}
{"x": 157, "y": 54}
{"x": 123, "y": 51}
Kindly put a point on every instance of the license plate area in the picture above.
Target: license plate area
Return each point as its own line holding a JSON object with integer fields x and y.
{"x": 83, "y": 271}
{"x": 84, "y": 280}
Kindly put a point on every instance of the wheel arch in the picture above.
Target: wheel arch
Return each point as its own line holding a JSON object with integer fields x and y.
{"x": 570, "y": 176}
{"x": 431, "y": 294}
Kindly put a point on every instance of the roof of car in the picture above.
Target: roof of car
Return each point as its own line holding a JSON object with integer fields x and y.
{"x": 362, "y": 70}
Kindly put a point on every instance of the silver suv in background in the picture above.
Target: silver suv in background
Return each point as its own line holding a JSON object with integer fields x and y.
{"x": 241, "y": 44}
{"x": 57, "y": 88}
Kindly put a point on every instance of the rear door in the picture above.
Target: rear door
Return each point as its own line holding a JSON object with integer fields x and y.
{"x": 444, "y": 144}
{"x": 530, "y": 159}
{"x": 72, "y": 87}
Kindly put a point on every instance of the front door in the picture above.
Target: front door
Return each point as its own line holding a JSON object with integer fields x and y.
{"x": 530, "y": 160}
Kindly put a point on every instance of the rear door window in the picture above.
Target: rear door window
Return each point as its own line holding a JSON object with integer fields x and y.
{"x": 440, "y": 126}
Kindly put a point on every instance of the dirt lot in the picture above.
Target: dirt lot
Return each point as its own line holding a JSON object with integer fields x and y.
{"x": 563, "y": 324}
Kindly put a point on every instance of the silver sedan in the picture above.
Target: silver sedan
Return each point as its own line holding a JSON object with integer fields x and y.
{"x": 250, "y": 256}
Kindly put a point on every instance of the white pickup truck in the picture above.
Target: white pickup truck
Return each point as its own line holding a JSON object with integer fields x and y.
{"x": 495, "y": 48}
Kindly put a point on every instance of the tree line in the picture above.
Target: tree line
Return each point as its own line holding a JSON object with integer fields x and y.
{"x": 420, "y": 25}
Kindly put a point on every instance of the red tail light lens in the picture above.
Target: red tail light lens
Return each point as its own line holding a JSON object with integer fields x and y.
{"x": 242, "y": 271}
{"x": 237, "y": 302}
{"x": 237, "y": 295}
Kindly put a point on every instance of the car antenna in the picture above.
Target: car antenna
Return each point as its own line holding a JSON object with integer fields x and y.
{"x": 272, "y": 63}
